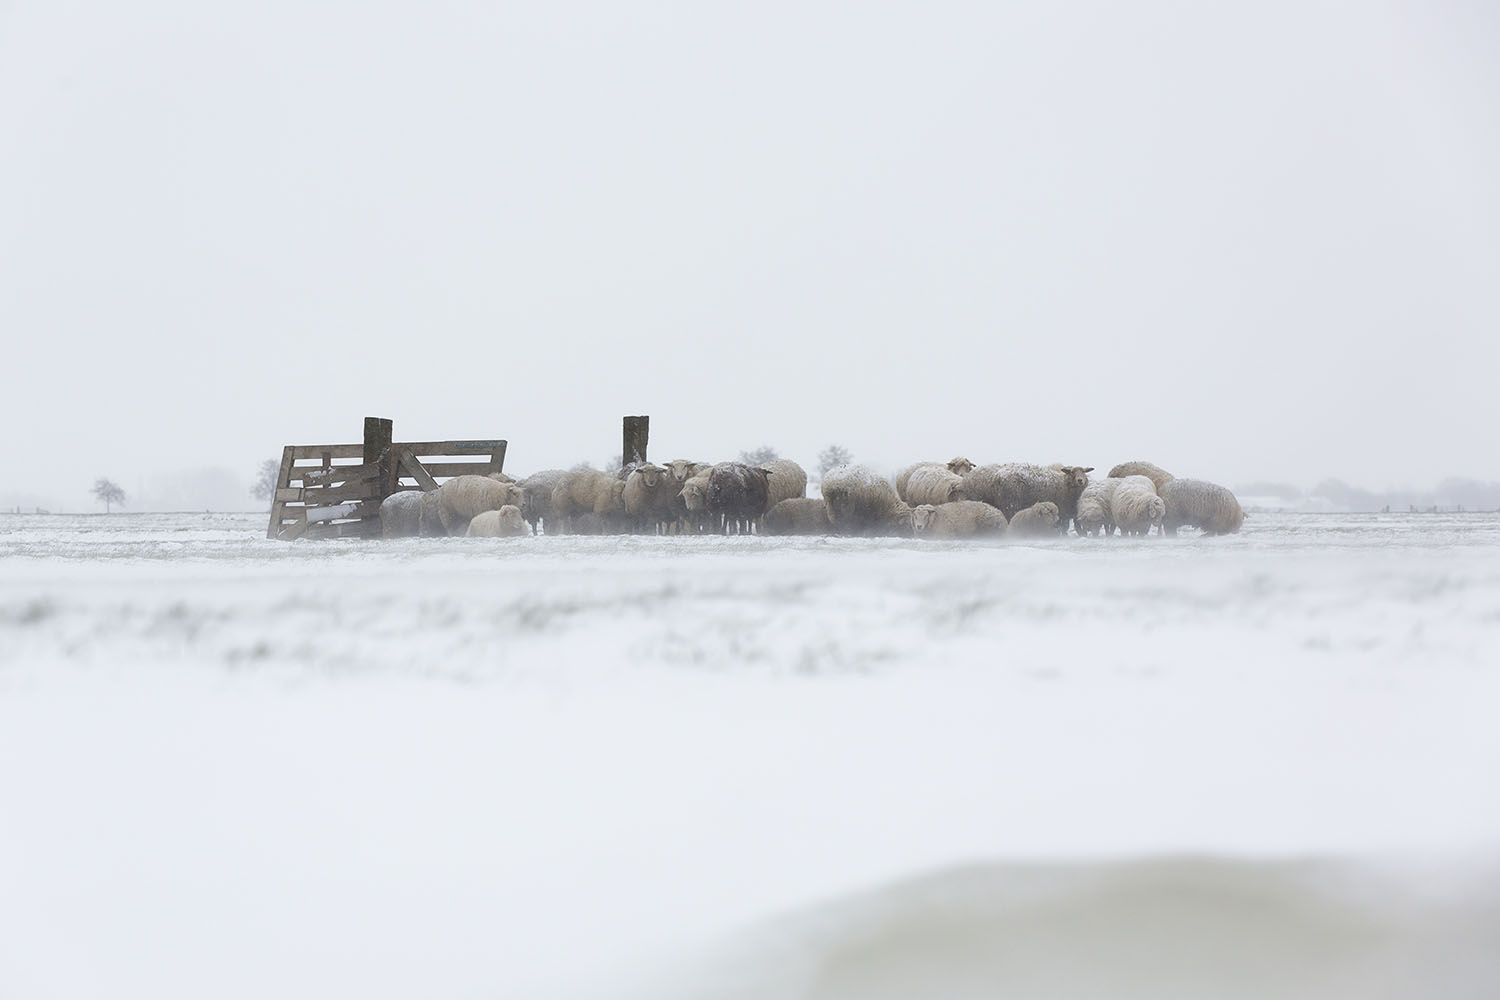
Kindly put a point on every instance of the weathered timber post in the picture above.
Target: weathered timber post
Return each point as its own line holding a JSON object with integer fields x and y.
{"x": 378, "y": 453}
{"x": 637, "y": 430}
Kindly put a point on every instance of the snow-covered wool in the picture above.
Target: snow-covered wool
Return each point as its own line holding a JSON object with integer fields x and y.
{"x": 862, "y": 502}
{"x": 463, "y": 497}
{"x": 737, "y": 493}
{"x": 788, "y": 481}
{"x": 400, "y": 514}
{"x": 506, "y": 522}
{"x": 536, "y": 500}
{"x": 1015, "y": 486}
{"x": 1095, "y": 510}
{"x": 588, "y": 491}
{"x": 798, "y": 516}
{"x": 958, "y": 519}
{"x": 1038, "y": 520}
{"x": 931, "y": 484}
{"x": 1155, "y": 473}
{"x": 1195, "y": 503}
{"x": 1135, "y": 506}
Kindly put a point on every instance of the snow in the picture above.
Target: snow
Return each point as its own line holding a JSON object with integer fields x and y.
{"x": 596, "y": 766}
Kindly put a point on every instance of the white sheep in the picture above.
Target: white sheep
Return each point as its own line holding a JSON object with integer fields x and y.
{"x": 788, "y": 481}
{"x": 461, "y": 498}
{"x": 1038, "y": 520}
{"x": 862, "y": 502}
{"x": 932, "y": 484}
{"x": 958, "y": 519}
{"x": 1095, "y": 507}
{"x": 958, "y": 465}
{"x": 798, "y": 516}
{"x": 1136, "y": 507}
{"x": 400, "y": 514}
{"x": 1155, "y": 473}
{"x": 588, "y": 491}
{"x": 647, "y": 496}
{"x": 506, "y": 522}
{"x": 1200, "y": 504}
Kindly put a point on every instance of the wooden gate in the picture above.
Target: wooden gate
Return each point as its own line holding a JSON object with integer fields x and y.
{"x": 335, "y": 490}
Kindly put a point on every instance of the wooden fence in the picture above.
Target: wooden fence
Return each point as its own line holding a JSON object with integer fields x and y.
{"x": 335, "y": 490}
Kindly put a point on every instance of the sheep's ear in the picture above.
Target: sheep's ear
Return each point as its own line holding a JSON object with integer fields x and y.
{"x": 1089, "y": 468}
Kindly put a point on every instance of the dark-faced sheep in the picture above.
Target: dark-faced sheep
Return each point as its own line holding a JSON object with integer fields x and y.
{"x": 958, "y": 519}
{"x": 798, "y": 516}
{"x": 536, "y": 501}
{"x": 1014, "y": 487}
{"x": 1194, "y": 503}
{"x": 737, "y": 493}
{"x": 1037, "y": 521}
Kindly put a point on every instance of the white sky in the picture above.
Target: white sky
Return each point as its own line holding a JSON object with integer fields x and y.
{"x": 1258, "y": 241}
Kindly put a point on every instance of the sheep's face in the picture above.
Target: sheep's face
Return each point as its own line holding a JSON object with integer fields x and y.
{"x": 1157, "y": 509}
{"x": 651, "y": 475}
{"x": 921, "y": 518}
{"x": 1078, "y": 477}
{"x": 1047, "y": 511}
{"x": 960, "y": 466}
{"x": 680, "y": 469}
{"x": 694, "y": 495}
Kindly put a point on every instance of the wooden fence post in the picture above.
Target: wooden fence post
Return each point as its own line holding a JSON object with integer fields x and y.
{"x": 378, "y": 432}
{"x": 637, "y": 430}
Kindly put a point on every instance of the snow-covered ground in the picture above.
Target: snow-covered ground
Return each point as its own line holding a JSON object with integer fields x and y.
{"x": 1264, "y": 765}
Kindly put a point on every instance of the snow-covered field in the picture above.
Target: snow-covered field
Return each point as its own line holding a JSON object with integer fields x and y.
{"x": 1264, "y": 765}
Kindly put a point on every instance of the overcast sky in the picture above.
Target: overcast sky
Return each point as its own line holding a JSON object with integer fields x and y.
{"x": 1247, "y": 241}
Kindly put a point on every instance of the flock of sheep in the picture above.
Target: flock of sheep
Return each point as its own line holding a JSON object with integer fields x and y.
{"x": 953, "y": 499}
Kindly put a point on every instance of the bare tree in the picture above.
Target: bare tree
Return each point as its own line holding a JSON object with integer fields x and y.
{"x": 108, "y": 494}
{"x": 765, "y": 453}
{"x": 831, "y": 456}
{"x": 266, "y": 479}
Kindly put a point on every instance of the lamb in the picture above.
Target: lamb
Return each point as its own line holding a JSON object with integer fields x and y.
{"x": 588, "y": 491}
{"x": 462, "y": 497}
{"x": 1013, "y": 487}
{"x": 788, "y": 481}
{"x": 536, "y": 503}
{"x": 932, "y": 485}
{"x": 959, "y": 466}
{"x": 1095, "y": 507}
{"x": 862, "y": 502}
{"x": 506, "y": 522}
{"x": 798, "y": 516}
{"x": 400, "y": 514}
{"x": 647, "y": 495}
{"x": 1136, "y": 507}
{"x": 1037, "y": 521}
{"x": 1156, "y": 474}
{"x": 958, "y": 519}
{"x": 737, "y": 493}
{"x": 1200, "y": 504}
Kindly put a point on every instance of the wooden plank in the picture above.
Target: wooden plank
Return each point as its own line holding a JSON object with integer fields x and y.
{"x": 497, "y": 456}
{"x": 412, "y": 467}
{"x": 446, "y": 470}
{"x": 437, "y": 449}
{"x": 315, "y": 451}
{"x": 327, "y": 496}
{"x": 288, "y": 455}
{"x": 293, "y": 494}
{"x": 337, "y": 474}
